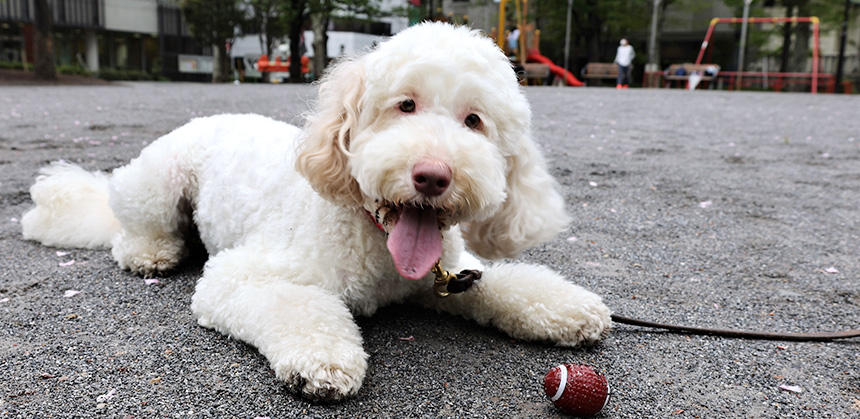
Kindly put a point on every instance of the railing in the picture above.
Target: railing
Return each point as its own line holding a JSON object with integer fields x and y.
{"x": 827, "y": 64}
{"x": 734, "y": 80}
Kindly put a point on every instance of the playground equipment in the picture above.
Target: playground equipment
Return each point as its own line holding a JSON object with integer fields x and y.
{"x": 527, "y": 53}
{"x": 771, "y": 79}
{"x": 535, "y": 56}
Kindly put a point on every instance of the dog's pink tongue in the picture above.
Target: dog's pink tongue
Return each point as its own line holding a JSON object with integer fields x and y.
{"x": 415, "y": 242}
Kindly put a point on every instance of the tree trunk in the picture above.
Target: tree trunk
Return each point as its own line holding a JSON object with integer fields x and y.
{"x": 221, "y": 71}
{"x": 43, "y": 62}
{"x": 296, "y": 47}
{"x": 786, "y": 41}
{"x": 593, "y": 38}
{"x": 800, "y": 50}
{"x": 593, "y": 46}
{"x": 265, "y": 46}
{"x": 319, "y": 23}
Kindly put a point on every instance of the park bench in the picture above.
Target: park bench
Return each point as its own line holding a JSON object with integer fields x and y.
{"x": 599, "y": 71}
{"x": 679, "y": 74}
{"x": 536, "y": 74}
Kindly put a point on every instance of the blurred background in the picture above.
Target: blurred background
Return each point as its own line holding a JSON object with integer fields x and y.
{"x": 554, "y": 43}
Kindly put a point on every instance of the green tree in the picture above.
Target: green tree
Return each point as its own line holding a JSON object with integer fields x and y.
{"x": 830, "y": 14}
{"x": 684, "y": 6}
{"x": 215, "y": 22}
{"x": 275, "y": 19}
{"x": 321, "y": 12}
{"x": 299, "y": 13}
{"x": 794, "y": 52}
{"x": 296, "y": 15}
{"x": 265, "y": 21}
{"x": 596, "y": 27}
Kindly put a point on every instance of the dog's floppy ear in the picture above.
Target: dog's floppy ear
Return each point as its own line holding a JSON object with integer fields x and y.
{"x": 533, "y": 211}
{"x": 323, "y": 152}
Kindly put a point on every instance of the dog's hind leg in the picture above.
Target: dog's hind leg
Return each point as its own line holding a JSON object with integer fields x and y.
{"x": 307, "y": 334}
{"x": 147, "y": 198}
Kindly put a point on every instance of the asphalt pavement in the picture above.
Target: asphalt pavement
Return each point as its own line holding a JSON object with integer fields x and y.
{"x": 719, "y": 209}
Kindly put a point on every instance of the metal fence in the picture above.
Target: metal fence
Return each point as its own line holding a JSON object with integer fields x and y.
{"x": 826, "y": 64}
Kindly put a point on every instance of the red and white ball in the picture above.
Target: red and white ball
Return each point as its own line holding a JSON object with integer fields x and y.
{"x": 577, "y": 389}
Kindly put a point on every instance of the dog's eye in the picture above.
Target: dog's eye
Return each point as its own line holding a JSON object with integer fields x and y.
{"x": 473, "y": 121}
{"x": 407, "y": 106}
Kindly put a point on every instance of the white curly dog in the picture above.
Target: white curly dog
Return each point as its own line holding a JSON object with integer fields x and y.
{"x": 429, "y": 133}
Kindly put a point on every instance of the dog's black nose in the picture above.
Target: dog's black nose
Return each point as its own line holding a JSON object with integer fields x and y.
{"x": 431, "y": 177}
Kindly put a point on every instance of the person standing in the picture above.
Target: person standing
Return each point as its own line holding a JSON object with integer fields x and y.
{"x": 513, "y": 41}
{"x": 624, "y": 58}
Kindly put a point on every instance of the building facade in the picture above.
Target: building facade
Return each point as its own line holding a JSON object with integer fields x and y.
{"x": 147, "y": 36}
{"x": 151, "y": 36}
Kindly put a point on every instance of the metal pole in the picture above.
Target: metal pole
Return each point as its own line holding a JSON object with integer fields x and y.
{"x": 816, "y": 41}
{"x": 521, "y": 54}
{"x": 743, "y": 43}
{"x": 567, "y": 37}
{"x": 841, "y": 58}
{"x": 652, "y": 40}
{"x": 501, "y": 32}
{"x": 714, "y": 21}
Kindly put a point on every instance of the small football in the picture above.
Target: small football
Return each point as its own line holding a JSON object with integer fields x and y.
{"x": 577, "y": 389}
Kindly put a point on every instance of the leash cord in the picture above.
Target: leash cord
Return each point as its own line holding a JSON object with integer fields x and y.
{"x": 447, "y": 283}
{"x": 742, "y": 334}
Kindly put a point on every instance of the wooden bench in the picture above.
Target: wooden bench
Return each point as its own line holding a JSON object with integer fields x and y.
{"x": 532, "y": 74}
{"x": 600, "y": 71}
{"x": 671, "y": 78}
{"x": 536, "y": 74}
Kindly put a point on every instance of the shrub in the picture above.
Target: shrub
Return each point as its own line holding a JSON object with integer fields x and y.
{"x": 12, "y": 65}
{"x": 74, "y": 69}
{"x": 119, "y": 74}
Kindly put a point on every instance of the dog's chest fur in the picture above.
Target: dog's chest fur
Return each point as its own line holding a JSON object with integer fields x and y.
{"x": 326, "y": 245}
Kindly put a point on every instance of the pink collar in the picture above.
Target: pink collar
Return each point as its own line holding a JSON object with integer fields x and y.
{"x": 373, "y": 220}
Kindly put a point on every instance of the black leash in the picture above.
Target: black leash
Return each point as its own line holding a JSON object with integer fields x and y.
{"x": 742, "y": 334}
{"x": 447, "y": 283}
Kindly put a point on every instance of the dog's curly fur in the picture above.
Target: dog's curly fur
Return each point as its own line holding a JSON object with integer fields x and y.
{"x": 283, "y": 212}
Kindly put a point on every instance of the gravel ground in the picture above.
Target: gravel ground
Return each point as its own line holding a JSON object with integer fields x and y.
{"x": 709, "y": 208}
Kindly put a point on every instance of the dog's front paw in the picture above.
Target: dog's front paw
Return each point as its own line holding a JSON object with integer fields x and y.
{"x": 325, "y": 383}
{"x": 567, "y": 317}
{"x": 534, "y": 303}
{"x": 582, "y": 318}
{"x": 318, "y": 380}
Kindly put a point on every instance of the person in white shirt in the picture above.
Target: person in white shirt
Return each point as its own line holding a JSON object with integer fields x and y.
{"x": 624, "y": 57}
{"x": 513, "y": 41}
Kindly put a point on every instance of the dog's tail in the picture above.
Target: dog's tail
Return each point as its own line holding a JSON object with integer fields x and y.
{"x": 71, "y": 208}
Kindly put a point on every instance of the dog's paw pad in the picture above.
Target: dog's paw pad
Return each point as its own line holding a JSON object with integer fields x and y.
{"x": 582, "y": 323}
{"x": 149, "y": 265}
{"x": 326, "y": 383}
{"x": 147, "y": 256}
{"x": 597, "y": 321}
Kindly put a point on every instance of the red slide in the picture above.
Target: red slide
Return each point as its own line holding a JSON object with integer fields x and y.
{"x": 569, "y": 78}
